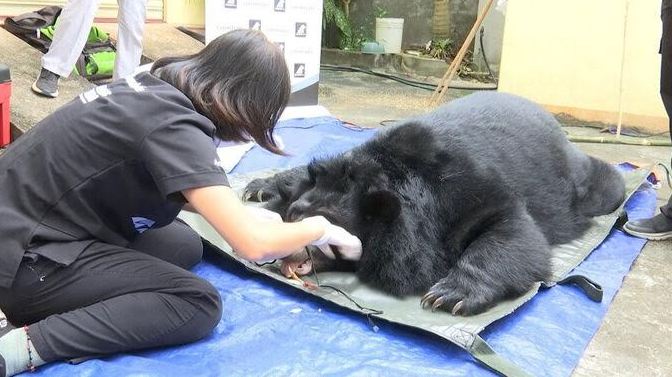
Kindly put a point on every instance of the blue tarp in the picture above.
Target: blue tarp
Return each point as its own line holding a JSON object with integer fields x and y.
{"x": 269, "y": 329}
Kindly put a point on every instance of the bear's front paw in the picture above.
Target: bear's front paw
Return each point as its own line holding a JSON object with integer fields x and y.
{"x": 465, "y": 298}
{"x": 258, "y": 190}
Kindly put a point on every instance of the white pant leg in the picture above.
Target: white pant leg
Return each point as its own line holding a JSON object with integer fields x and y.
{"x": 132, "y": 15}
{"x": 70, "y": 37}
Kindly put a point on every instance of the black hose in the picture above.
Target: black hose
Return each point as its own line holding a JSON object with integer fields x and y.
{"x": 485, "y": 59}
{"x": 409, "y": 82}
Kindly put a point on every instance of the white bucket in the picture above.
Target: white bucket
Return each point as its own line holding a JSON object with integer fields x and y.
{"x": 389, "y": 32}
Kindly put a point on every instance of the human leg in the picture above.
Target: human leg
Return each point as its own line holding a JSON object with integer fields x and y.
{"x": 132, "y": 15}
{"x": 74, "y": 24}
{"x": 659, "y": 227}
{"x": 109, "y": 300}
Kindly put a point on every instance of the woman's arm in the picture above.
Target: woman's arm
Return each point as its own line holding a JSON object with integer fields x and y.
{"x": 251, "y": 239}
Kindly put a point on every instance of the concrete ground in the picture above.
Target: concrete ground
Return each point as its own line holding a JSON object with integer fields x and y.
{"x": 635, "y": 338}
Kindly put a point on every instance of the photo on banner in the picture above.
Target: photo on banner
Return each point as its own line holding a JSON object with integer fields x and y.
{"x": 295, "y": 26}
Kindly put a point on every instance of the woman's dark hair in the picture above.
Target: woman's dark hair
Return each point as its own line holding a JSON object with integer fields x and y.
{"x": 239, "y": 81}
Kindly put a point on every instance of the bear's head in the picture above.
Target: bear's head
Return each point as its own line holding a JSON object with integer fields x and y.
{"x": 350, "y": 191}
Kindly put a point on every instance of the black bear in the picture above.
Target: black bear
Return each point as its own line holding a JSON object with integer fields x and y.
{"x": 461, "y": 203}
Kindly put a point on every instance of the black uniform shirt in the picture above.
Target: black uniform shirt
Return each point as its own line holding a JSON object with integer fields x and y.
{"x": 107, "y": 166}
{"x": 667, "y": 3}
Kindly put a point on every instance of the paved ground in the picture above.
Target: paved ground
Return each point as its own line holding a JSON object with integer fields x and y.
{"x": 636, "y": 336}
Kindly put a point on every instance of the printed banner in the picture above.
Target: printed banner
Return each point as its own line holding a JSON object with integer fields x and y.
{"x": 294, "y": 25}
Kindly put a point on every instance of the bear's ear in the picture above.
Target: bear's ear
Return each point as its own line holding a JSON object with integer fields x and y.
{"x": 381, "y": 204}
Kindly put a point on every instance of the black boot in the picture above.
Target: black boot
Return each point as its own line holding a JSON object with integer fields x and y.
{"x": 656, "y": 228}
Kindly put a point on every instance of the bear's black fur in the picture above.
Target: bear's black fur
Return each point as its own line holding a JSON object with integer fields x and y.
{"x": 461, "y": 203}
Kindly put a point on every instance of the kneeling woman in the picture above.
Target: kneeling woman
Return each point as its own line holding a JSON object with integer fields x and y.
{"x": 93, "y": 260}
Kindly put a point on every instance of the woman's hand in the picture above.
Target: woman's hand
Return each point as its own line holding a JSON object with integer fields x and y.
{"x": 349, "y": 246}
{"x": 254, "y": 234}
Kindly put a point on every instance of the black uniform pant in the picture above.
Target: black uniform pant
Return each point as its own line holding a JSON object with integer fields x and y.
{"x": 666, "y": 80}
{"x": 114, "y": 299}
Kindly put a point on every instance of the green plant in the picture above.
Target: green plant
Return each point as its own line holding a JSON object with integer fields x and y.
{"x": 467, "y": 66}
{"x": 444, "y": 49}
{"x": 440, "y": 49}
{"x": 350, "y": 39}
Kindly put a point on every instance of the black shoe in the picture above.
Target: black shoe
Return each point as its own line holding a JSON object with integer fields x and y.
{"x": 656, "y": 228}
{"x": 46, "y": 84}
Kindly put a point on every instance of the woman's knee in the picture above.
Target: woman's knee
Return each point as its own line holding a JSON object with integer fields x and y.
{"x": 188, "y": 244}
{"x": 189, "y": 251}
{"x": 208, "y": 303}
{"x": 212, "y": 304}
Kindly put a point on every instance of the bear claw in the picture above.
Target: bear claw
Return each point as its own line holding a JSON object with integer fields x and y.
{"x": 437, "y": 304}
{"x": 427, "y": 298}
{"x": 457, "y": 307}
{"x": 435, "y": 300}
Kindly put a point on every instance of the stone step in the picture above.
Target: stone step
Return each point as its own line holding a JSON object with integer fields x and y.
{"x": 160, "y": 40}
{"x": 28, "y": 108}
{"x": 24, "y": 62}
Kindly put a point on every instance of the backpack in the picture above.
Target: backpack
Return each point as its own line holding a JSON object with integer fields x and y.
{"x": 37, "y": 28}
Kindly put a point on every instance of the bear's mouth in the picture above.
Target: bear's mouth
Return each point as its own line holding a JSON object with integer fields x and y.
{"x": 301, "y": 268}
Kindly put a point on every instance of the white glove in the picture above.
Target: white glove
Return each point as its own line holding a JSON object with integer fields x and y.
{"x": 262, "y": 214}
{"x": 349, "y": 246}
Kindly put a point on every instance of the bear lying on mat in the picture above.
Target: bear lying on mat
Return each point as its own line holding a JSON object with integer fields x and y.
{"x": 461, "y": 203}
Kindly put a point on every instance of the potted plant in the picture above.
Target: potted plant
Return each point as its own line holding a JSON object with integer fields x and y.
{"x": 389, "y": 31}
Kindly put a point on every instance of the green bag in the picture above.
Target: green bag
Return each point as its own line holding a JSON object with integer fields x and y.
{"x": 97, "y": 58}
{"x": 37, "y": 28}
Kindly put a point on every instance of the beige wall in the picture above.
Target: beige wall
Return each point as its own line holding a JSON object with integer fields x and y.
{"x": 190, "y": 13}
{"x": 594, "y": 59}
{"x": 108, "y": 8}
